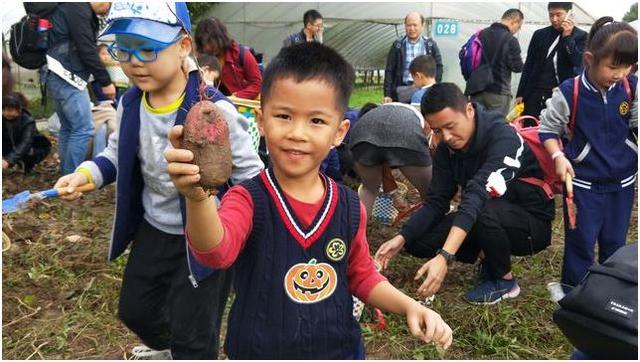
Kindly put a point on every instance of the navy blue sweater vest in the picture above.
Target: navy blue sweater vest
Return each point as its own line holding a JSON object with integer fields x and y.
{"x": 292, "y": 302}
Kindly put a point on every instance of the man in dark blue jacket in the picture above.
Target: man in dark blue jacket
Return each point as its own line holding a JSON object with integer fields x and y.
{"x": 312, "y": 30}
{"x": 554, "y": 55}
{"x": 72, "y": 57}
{"x": 402, "y": 53}
{"x": 499, "y": 214}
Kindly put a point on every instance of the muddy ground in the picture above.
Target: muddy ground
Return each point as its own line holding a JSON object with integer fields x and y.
{"x": 59, "y": 294}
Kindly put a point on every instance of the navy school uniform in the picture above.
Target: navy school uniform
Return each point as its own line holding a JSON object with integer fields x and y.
{"x": 311, "y": 316}
{"x": 604, "y": 157}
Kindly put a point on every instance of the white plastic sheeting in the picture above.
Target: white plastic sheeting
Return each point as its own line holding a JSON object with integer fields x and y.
{"x": 364, "y": 32}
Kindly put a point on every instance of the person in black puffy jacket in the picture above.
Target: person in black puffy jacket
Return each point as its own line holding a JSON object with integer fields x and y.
{"x": 21, "y": 143}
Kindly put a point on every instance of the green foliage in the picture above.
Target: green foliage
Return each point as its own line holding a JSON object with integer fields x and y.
{"x": 198, "y": 9}
{"x": 632, "y": 14}
{"x": 39, "y": 111}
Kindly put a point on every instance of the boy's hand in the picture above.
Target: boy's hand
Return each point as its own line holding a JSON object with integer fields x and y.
{"x": 71, "y": 181}
{"x": 388, "y": 250}
{"x": 563, "y": 166}
{"x": 428, "y": 326}
{"x": 185, "y": 175}
{"x": 5, "y": 164}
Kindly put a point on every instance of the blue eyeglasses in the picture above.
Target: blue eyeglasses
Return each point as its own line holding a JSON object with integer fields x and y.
{"x": 145, "y": 54}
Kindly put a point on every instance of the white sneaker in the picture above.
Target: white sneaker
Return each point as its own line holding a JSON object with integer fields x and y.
{"x": 144, "y": 352}
{"x": 556, "y": 290}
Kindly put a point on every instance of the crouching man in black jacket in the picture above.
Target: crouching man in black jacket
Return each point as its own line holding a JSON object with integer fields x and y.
{"x": 499, "y": 215}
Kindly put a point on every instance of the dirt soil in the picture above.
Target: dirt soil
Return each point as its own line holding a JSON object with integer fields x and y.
{"x": 60, "y": 294}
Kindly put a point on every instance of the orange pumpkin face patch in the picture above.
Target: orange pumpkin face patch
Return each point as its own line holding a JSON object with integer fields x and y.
{"x": 310, "y": 282}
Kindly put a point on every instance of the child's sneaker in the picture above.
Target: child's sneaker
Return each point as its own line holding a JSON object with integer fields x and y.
{"x": 493, "y": 291}
{"x": 144, "y": 352}
{"x": 558, "y": 290}
{"x": 399, "y": 200}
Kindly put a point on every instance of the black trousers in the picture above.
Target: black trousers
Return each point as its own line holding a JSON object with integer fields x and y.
{"x": 536, "y": 102}
{"x": 160, "y": 305}
{"x": 502, "y": 229}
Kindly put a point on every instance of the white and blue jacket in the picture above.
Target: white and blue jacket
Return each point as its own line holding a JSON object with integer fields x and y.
{"x": 120, "y": 163}
{"x": 601, "y": 146}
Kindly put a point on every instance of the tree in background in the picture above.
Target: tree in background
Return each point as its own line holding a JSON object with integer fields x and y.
{"x": 632, "y": 14}
{"x": 197, "y": 10}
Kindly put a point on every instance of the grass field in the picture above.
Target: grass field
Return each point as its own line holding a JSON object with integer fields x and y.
{"x": 363, "y": 95}
{"x": 60, "y": 294}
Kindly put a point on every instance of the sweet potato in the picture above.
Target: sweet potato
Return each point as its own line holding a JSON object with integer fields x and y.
{"x": 206, "y": 134}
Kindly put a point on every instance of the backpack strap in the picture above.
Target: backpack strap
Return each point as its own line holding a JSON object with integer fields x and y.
{"x": 574, "y": 104}
{"x": 540, "y": 183}
{"x": 503, "y": 41}
{"x": 241, "y": 58}
{"x": 627, "y": 88}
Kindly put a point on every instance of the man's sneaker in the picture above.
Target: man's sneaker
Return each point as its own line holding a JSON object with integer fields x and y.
{"x": 493, "y": 291}
{"x": 481, "y": 274}
{"x": 144, "y": 352}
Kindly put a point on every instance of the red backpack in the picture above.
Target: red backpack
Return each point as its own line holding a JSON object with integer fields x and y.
{"x": 551, "y": 183}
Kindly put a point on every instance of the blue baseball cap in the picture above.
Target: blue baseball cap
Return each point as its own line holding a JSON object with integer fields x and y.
{"x": 157, "y": 21}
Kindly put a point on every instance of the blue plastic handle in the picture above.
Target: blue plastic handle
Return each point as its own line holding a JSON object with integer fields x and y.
{"x": 49, "y": 193}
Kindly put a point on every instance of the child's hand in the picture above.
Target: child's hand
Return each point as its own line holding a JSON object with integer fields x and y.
{"x": 388, "y": 250}
{"x": 71, "y": 181}
{"x": 427, "y": 325}
{"x": 563, "y": 166}
{"x": 185, "y": 176}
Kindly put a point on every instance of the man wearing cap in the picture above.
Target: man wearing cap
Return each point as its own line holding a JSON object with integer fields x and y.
{"x": 72, "y": 57}
{"x": 173, "y": 304}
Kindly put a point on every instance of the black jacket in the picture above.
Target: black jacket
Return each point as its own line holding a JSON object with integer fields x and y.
{"x": 72, "y": 41}
{"x": 570, "y": 51}
{"x": 498, "y": 38}
{"x": 495, "y": 149}
{"x": 19, "y": 137}
{"x": 296, "y": 38}
{"x": 395, "y": 64}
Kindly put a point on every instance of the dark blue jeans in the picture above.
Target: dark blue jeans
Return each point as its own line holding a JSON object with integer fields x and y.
{"x": 73, "y": 107}
{"x": 159, "y": 304}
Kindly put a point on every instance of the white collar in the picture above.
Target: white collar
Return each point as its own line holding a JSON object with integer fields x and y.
{"x": 428, "y": 85}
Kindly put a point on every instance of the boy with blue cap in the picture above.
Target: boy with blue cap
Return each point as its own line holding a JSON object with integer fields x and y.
{"x": 170, "y": 301}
